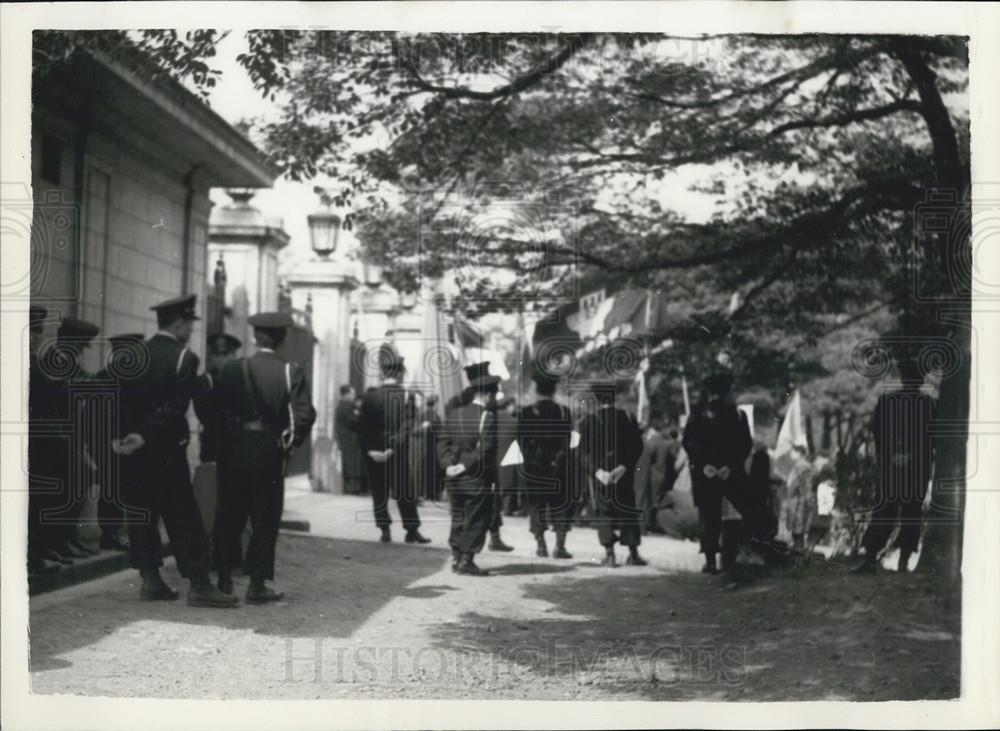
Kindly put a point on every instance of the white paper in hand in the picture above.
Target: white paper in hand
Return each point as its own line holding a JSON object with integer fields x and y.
{"x": 513, "y": 456}
{"x": 574, "y": 439}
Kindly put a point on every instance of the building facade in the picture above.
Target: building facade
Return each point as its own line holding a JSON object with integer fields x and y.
{"x": 121, "y": 166}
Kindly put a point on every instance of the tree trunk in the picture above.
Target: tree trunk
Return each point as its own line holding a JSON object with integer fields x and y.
{"x": 941, "y": 553}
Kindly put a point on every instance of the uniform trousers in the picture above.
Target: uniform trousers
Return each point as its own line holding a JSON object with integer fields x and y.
{"x": 162, "y": 489}
{"x": 615, "y": 510}
{"x": 901, "y": 498}
{"x": 708, "y": 493}
{"x": 472, "y": 513}
{"x": 390, "y": 479}
{"x": 549, "y": 505}
{"x": 59, "y": 481}
{"x": 251, "y": 485}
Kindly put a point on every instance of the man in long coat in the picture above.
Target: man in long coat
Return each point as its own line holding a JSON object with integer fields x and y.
{"x": 544, "y": 436}
{"x": 467, "y": 449}
{"x": 901, "y": 426}
{"x": 717, "y": 440}
{"x": 610, "y": 447}
{"x": 386, "y": 418}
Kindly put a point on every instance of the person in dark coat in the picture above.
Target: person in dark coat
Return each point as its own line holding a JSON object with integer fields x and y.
{"x": 222, "y": 348}
{"x": 467, "y": 449}
{"x": 157, "y": 438}
{"x": 385, "y": 420}
{"x": 345, "y": 427}
{"x": 126, "y": 361}
{"x": 506, "y": 482}
{"x": 610, "y": 447}
{"x": 904, "y": 450}
{"x": 70, "y": 466}
{"x": 717, "y": 440}
{"x": 265, "y": 405}
{"x": 43, "y": 393}
{"x": 543, "y": 435}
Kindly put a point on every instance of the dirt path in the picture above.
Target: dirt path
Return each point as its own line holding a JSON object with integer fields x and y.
{"x": 368, "y": 620}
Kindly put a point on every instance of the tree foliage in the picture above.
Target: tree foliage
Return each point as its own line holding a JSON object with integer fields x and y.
{"x": 819, "y": 150}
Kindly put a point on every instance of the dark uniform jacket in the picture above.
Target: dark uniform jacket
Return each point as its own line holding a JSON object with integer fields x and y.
{"x": 717, "y": 434}
{"x": 385, "y": 420}
{"x": 901, "y": 427}
{"x": 469, "y": 437}
{"x": 608, "y": 438}
{"x": 259, "y": 392}
{"x": 543, "y": 435}
{"x": 158, "y": 399}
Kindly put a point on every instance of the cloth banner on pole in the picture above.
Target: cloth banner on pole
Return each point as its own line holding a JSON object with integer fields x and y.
{"x": 791, "y": 434}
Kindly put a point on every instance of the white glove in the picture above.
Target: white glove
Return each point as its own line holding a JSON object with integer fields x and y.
{"x": 131, "y": 443}
{"x": 617, "y": 473}
{"x": 603, "y": 476}
{"x": 455, "y": 470}
{"x": 379, "y": 457}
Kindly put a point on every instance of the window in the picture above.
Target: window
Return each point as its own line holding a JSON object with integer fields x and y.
{"x": 51, "y": 159}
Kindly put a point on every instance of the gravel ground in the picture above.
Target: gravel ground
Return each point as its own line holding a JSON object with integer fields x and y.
{"x": 367, "y": 620}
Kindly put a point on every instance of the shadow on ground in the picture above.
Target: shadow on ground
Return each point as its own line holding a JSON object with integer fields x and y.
{"x": 815, "y": 634}
{"x": 348, "y": 580}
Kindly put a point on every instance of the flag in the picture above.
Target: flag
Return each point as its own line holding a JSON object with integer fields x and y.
{"x": 792, "y": 433}
{"x": 642, "y": 406}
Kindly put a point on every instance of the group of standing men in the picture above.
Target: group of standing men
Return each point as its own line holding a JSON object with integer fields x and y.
{"x": 254, "y": 412}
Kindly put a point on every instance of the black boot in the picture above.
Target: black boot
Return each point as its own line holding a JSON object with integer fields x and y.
{"x": 710, "y": 567}
{"x": 259, "y": 593}
{"x": 634, "y": 559}
{"x": 561, "y": 551}
{"x": 38, "y": 566}
{"x": 496, "y": 544}
{"x": 543, "y": 550}
{"x": 609, "y": 557}
{"x": 154, "y": 588}
{"x": 386, "y": 537}
{"x": 225, "y": 582}
{"x": 414, "y": 536}
{"x": 203, "y": 594}
{"x": 456, "y": 559}
{"x": 468, "y": 566}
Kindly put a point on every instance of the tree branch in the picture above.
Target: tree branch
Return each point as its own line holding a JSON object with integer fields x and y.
{"x": 842, "y": 120}
{"x": 519, "y": 84}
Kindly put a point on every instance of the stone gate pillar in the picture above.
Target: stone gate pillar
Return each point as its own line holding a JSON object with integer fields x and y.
{"x": 329, "y": 282}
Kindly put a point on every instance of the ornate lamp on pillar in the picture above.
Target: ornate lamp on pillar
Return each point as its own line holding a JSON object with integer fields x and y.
{"x": 324, "y": 230}
{"x": 324, "y": 285}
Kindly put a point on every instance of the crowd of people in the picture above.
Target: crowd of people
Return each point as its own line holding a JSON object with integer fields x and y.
{"x": 126, "y": 429}
{"x": 595, "y": 465}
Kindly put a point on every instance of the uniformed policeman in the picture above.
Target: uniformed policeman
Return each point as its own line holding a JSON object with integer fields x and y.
{"x": 266, "y": 407}
{"x": 42, "y": 395}
{"x": 125, "y": 362}
{"x": 386, "y": 417}
{"x": 158, "y": 438}
{"x": 901, "y": 427}
{"x": 72, "y": 466}
{"x": 543, "y": 436}
{"x": 610, "y": 447}
{"x": 467, "y": 449}
{"x": 222, "y": 348}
